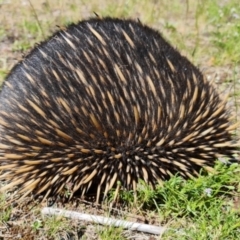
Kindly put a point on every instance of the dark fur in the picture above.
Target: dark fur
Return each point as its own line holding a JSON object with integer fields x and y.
{"x": 60, "y": 102}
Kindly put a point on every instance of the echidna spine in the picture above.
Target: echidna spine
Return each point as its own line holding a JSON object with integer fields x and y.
{"x": 107, "y": 101}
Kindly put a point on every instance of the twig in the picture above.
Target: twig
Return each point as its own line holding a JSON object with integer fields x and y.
{"x": 36, "y": 16}
{"x": 104, "y": 220}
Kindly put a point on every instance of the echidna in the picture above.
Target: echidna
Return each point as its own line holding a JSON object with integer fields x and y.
{"x": 107, "y": 101}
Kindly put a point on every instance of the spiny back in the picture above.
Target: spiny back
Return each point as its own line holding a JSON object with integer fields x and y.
{"x": 107, "y": 100}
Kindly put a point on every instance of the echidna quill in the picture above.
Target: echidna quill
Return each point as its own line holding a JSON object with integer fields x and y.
{"x": 107, "y": 101}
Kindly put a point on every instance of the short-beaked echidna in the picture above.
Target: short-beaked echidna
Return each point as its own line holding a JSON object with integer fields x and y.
{"x": 107, "y": 101}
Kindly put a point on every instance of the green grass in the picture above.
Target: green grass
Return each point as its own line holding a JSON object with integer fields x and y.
{"x": 55, "y": 226}
{"x": 198, "y": 208}
{"x": 204, "y": 203}
{"x": 208, "y": 33}
{"x": 5, "y": 211}
{"x": 225, "y": 33}
{"x": 112, "y": 233}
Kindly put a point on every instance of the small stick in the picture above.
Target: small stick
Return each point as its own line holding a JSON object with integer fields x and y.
{"x": 104, "y": 220}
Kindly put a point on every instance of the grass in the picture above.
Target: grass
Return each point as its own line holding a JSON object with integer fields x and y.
{"x": 206, "y": 207}
{"x": 226, "y": 31}
{"x": 5, "y": 212}
{"x": 208, "y": 33}
{"x": 110, "y": 233}
{"x": 204, "y": 203}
